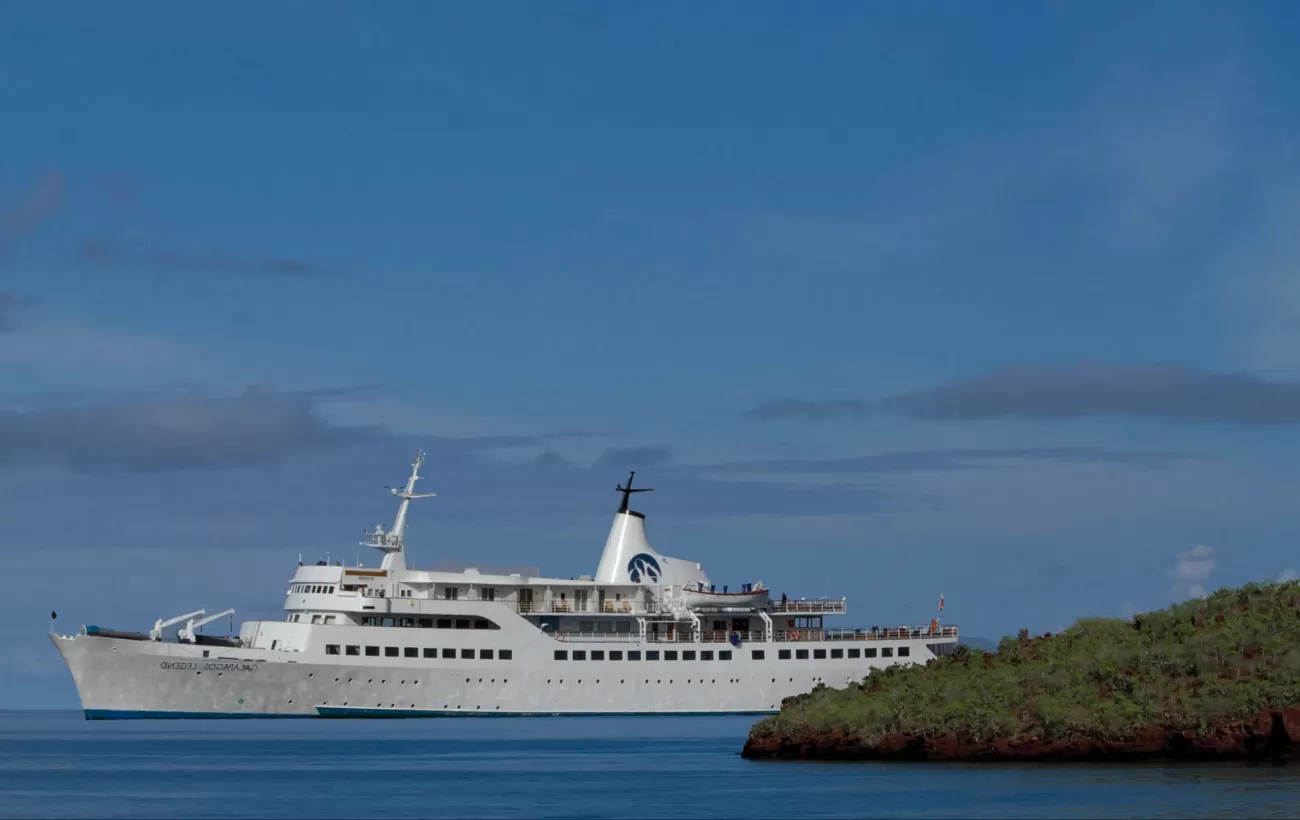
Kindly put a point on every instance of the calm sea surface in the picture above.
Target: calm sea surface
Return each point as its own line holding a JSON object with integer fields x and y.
{"x": 56, "y": 764}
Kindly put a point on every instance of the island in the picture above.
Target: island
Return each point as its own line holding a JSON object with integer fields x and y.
{"x": 1215, "y": 678}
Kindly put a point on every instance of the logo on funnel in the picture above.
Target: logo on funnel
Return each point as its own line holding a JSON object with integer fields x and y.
{"x": 643, "y": 565}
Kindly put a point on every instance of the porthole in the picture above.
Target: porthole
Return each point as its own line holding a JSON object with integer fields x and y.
{"x": 291, "y": 700}
{"x": 336, "y": 680}
{"x": 402, "y": 682}
{"x": 381, "y": 680}
{"x": 311, "y": 674}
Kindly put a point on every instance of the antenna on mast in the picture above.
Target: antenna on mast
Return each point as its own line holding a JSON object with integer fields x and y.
{"x": 627, "y": 491}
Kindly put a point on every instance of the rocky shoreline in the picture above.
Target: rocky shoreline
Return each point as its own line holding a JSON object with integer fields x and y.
{"x": 1273, "y": 735}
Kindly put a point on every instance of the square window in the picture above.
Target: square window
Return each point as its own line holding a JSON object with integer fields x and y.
{"x": 372, "y": 651}
{"x": 444, "y": 623}
{"x": 506, "y": 654}
{"x": 616, "y": 654}
{"x": 652, "y": 654}
{"x": 757, "y": 654}
{"x": 869, "y": 652}
{"x": 598, "y": 654}
{"x": 353, "y": 650}
{"x": 904, "y": 651}
{"x": 670, "y": 654}
{"x": 724, "y": 654}
{"x": 467, "y": 654}
{"x": 819, "y": 654}
{"x": 887, "y": 652}
{"x": 426, "y": 623}
{"x": 634, "y": 654}
{"x": 688, "y": 655}
{"x": 479, "y": 623}
{"x": 411, "y": 652}
{"x": 837, "y": 653}
{"x": 706, "y": 654}
{"x": 579, "y": 654}
{"x": 855, "y": 653}
{"x": 561, "y": 655}
{"x": 783, "y": 654}
{"x": 449, "y": 653}
{"x": 390, "y": 652}
{"x": 801, "y": 654}
{"x": 462, "y": 623}
{"x": 406, "y": 622}
{"x": 388, "y": 622}
{"x": 430, "y": 653}
{"x": 485, "y": 654}
{"x": 331, "y": 649}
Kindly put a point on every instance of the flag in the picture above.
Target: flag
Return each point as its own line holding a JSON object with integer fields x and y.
{"x": 941, "y": 602}
{"x": 54, "y": 615}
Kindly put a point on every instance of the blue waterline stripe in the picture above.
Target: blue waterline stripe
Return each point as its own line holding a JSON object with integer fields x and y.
{"x": 351, "y": 712}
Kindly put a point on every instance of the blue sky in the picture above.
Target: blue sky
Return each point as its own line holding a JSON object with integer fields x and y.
{"x": 998, "y": 301}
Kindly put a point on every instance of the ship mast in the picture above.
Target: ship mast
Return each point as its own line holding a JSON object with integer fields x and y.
{"x": 393, "y": 542}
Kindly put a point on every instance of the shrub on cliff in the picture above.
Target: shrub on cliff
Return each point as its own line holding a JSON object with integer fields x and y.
{"x": 1191, "y": 666}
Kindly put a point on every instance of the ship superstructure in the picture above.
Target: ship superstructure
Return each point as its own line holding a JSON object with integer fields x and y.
{"x": 646, "y": 634}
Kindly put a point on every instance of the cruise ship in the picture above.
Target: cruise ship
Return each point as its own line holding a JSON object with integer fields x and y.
{"x": 646, "y": 634}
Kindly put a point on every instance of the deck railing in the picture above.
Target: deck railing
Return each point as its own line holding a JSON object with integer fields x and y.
{"x": 778, "y": 636}
{"x": 821, "y": 606}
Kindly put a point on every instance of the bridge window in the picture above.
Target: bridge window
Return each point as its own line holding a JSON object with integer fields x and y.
{"x": 819, "y": 654}
{"x": 579, "y": 654}
{"x": 426, "y": 623}
{"x": 616, "y": 654}
{"x": 411, "y": 652}
{"x": 837, "y": 653}
{"x": 387, "y": 622}
{"x": 634, "y": 654}
{"x": 561, "y": 655}
{"x": 904, "y": 651}
{"x": 887, "y": 652}
{"x": 449, "y": 653}
{"x": 688, "y": 655}
{"x": 483, "y": 623}
{"x": 506, "y": 654}
{"x": 724, "y": 654}
{"x": 855, "y": 653}
{"x": 444, "y": 623}
{"x": 462, "y": 623}
{"x": 757, "y": 654}
{"x": 783, "y": 654}
{"x": 467, "y": 654}
{"x": 706, "y": 654}
{"x": 331, "y": 649}
{"x": 372, "y": 651}
{"x": 331, "y": 592}
{"x": 801, "y": 654}
{"x": 430, "y": 653}
{"x": 869, "y": 652}
{"x": 598, "y": 654}
{"x": 390, "y": 652}
{"x": 406, "y": 622}
{"x": 485, "y": 654}
{"x": 353, "y": 650}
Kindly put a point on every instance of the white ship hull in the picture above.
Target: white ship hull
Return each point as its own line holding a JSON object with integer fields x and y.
{"x": 118, "y": 678}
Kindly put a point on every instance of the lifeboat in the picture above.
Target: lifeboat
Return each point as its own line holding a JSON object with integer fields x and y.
{"x": 754, "y": 598}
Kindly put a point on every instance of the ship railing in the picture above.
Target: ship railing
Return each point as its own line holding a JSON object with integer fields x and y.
{"x": 821, "y": 606}
{"x": 872, "y": 634}
{"x": 589, "y": 608}
{"x": 723, "y": 636}
{"x": 593, "y": 637}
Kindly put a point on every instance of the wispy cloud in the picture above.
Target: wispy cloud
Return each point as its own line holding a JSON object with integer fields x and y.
{"x": 1192, "y": 572}
{"x": 10, "y": 308}
{"x": 649, "y": 455}
{"x": 1288, "y": 575}
{"x": 34, "y": 206}
{"x": 1164, "y": 392}
{"x": 106, "y": 252}
{"x": 191, "y": 431}
{"x": 954, "y": 459}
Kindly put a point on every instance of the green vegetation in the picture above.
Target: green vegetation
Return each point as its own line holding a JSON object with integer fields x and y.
{"x": 1192, "y": 666}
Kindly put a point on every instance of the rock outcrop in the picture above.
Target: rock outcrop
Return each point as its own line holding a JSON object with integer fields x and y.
{"x": 1273, "y": 735}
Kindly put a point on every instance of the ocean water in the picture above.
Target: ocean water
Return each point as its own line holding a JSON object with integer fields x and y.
{"x": 56, "y": 764}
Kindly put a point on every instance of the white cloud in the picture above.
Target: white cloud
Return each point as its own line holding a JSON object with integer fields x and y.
{"x": 1192, "y": 571}
{"x": 1288, "y": 575}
